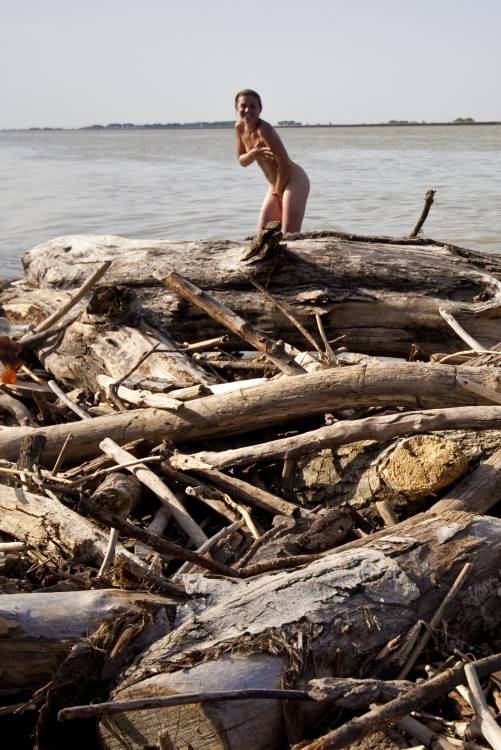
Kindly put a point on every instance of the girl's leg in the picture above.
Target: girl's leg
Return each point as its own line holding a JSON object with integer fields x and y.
{"x": 294, "y": 199}
{"x": 271, "y": 210}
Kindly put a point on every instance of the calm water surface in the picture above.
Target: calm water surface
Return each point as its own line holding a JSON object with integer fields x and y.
{"x": 187, "y": 184}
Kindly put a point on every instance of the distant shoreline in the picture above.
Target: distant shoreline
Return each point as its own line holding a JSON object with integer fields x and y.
{"x": 127, "y": 127}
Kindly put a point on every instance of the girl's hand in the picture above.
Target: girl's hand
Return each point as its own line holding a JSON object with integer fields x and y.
{"x": 261, "y": 150}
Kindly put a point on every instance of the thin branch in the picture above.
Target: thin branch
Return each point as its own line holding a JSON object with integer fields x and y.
{"x": 459, "y": 330}
{"x": 328, "y": 348}
{"x": 488, "y": 725}
{"x": 428, "y": 202}
{"x": 163, "y": 701}
{"x": 69, "y": 403}
{"x": 160, "y": 545}
{"x": 287, "y": 314}
{"x": 209, "y": 544}
{"x": 435, "y": 620}
{"x": 60, "y": 458}
{"x": 58, "y": 314}
{"x": 421, "y": 695}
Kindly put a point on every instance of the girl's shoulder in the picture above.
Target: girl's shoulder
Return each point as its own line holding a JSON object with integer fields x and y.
{"x": 265, "y": 127}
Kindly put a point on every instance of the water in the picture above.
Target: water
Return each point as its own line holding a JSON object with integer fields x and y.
{"x": 187, "y": 184}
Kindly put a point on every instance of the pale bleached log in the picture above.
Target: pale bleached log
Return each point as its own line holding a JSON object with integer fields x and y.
{"x": 156, "y": 485}
{"x": 380, "y": 428}
{"x": 86, "y": 350}
{"x": 354, "y": 283}
{"x": 59, "y": 532}
{"x": 406, "y": 384}
{"x": 332, "y": 615}
{"x": 39, "y": 629}
{"x": 189, "y": 393}
{"x": 97, "y": 343}
{"x": 139, "y": 397}
{"x": 181, "y": 367}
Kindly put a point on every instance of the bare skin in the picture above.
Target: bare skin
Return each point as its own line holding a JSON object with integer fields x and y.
{"x": 288, "y": 184}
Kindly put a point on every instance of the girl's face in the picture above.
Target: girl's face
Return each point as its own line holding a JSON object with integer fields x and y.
{"x": 248, "y": 108}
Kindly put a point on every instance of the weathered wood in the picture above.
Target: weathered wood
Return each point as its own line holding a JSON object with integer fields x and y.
{"x": 118, "y": 493}
{"x": 407, "y": 384}
{"x": 59, "y": 532}
{"x": 248, "y": 493}
{"x": 138, "y": 397}
{"x": 428, "y": 202}
{"x": 75, "y": 298}
{"x": 39, "y": 629}
{"x": 274, "y": 350}
{"x": 378, "y": 292}
{"x": 161, "y": 545}
{"x": 380, "y": 428}
{"x": 107, "y": 338}
{"x": 156, "y": 485}
{"x": 328, "y": 617}
{"x": 419, "y": 696}
{"x": 16, "y": 408}
{"x": 477, "y": 492}
{"x": 87, "y": 348}
{"x": 106, "y": 709}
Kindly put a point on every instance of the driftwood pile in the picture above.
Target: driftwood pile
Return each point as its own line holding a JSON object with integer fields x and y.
{"x": 244, "y": 495}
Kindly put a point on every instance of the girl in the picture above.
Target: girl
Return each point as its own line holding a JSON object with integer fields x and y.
{"x": 288, "y": 184}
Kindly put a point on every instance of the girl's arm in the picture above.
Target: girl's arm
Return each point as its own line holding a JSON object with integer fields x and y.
{"x": 248, "y": 157}
{"x": 271, "y": 138}
{"x": 244, "y": 157}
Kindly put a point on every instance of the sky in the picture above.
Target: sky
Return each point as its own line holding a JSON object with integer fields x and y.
{"x": 70, "y": 63}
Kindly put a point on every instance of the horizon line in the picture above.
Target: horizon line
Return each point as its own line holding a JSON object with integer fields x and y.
{"x": 227, "y": 124}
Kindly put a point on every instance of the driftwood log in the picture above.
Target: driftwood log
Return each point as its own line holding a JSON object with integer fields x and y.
{"x": 382, "y": 294}
{"x": 411, "y": 385}
{"x": 307, "y": 585}
{"x": 39, "y": 629}
{"x": 327, "y": 618}
{"x": 48, "y": 525}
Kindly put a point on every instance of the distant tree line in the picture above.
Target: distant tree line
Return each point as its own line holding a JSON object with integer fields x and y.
{"x": 160, "y": 125}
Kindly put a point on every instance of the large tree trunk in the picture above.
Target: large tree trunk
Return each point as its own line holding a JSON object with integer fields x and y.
{"x": 382, "y": 294}
{"x": 328, "y": 618}
{"x": 273, "y": 402}
{"x": 39, "y": 629}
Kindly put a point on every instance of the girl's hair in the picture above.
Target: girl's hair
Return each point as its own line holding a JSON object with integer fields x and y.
{"x": 248, "y": 92}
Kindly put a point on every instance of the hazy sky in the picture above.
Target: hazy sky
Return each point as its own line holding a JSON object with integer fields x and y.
{"x": 72, "y": 63}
